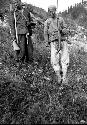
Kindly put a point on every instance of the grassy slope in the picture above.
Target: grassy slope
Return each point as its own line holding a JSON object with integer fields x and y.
{"x": 28, "y": 96}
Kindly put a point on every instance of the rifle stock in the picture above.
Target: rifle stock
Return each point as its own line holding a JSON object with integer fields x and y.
{"x": 15, "y": 27}
{"x": 59, "y": 37}
{"x": 15, "y": 42}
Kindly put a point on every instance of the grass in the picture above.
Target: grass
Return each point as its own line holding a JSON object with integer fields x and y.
{"x": 27, "y": 96}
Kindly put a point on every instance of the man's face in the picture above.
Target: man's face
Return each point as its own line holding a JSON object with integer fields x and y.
{"x": 53, "y": 13}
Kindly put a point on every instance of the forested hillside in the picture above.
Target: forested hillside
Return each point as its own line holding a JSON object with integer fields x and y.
{"x": 78, "y": 13}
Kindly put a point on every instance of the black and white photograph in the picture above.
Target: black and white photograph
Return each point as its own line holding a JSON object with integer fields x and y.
{"x": 43, "y": 62}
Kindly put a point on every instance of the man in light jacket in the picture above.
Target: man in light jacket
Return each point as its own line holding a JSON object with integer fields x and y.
{"x": 55, "y": 32}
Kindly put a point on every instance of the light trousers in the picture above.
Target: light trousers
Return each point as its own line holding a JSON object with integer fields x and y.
{"x": 61, "y": 57}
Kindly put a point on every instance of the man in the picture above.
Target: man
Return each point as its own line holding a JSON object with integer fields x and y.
{"x": 30, "y": 25}
{"x": 24, "y": 41}
{"x": 55, "y": 32}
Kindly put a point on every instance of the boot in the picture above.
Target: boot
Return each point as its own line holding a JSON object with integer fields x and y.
{"x": 59, "y": 77}
{"x": 64, "y": 76}
{"x": 64, "y": 79}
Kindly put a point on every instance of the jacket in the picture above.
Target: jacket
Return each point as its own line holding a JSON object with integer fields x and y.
{"x": 51, "y": 31}
{"x": 22, "y": 22}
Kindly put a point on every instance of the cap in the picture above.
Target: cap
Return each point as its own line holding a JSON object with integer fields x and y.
{"x": 52, "y": 8}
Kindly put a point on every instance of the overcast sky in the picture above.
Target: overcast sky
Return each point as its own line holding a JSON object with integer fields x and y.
{"x": 62, "y": 4}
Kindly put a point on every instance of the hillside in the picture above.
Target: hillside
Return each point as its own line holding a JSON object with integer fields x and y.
{"x": 39, "y": 12}
{"x": 77, "y": 13}
{"x": 30, "y": 93}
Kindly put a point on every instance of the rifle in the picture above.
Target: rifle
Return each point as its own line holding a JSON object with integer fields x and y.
{"x": 59, "y": 37}
{"x": 15, "y": 42}
{"x": 15, "y": 27}
{"x": 59, "y": 40}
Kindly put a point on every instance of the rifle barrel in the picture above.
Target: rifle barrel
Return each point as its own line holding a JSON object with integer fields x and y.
{"x": 15, "y": 27}
{"x": 57, "y": 6}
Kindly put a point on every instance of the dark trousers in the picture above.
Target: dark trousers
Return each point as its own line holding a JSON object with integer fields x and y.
{"x": 26, "y": 49}
{"x": 30, "y": 49}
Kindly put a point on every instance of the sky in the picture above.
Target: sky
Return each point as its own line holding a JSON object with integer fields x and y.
{"x": 62, "y": 4}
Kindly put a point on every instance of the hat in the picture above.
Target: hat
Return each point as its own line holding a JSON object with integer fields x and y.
{"x": 22, "y": 4}
{"x": 52, "y": 8}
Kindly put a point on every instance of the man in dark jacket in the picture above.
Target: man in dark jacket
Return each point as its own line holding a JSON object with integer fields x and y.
{"x": 30, "y": 25}
{"x": 24, "y": 32}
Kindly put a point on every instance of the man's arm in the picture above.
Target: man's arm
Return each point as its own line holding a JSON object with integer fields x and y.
{"x": 46, "y": 35}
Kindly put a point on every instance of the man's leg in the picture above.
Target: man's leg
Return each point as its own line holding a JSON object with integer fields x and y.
{"x": 64, "y": 70}
{"x": 26, "y": 51}
{"x": 29, "y": 53}
{"x": 55, "y": 60}
{"x": 17, "y": 50}
{"x": 22, "y": 46}
{"x": 17, "y": 55}
{"x": 65, "y": 62}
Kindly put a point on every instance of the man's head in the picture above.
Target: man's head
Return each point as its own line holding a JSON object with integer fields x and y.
{"x": 17, "y": 4}
{"x": 52, "y": 11}
{"x": 19, "y": 7}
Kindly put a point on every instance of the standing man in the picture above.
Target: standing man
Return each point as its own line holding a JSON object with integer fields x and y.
{"x": 55, "y": 32}
{"x": 23, "y": 33}
{"x": 30, "y": 25}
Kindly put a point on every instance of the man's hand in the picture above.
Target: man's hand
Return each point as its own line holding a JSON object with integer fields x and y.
{"x": 27, "y": 34}
{"x": 65, "y": 31}
{"x": 47, "y": 43}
